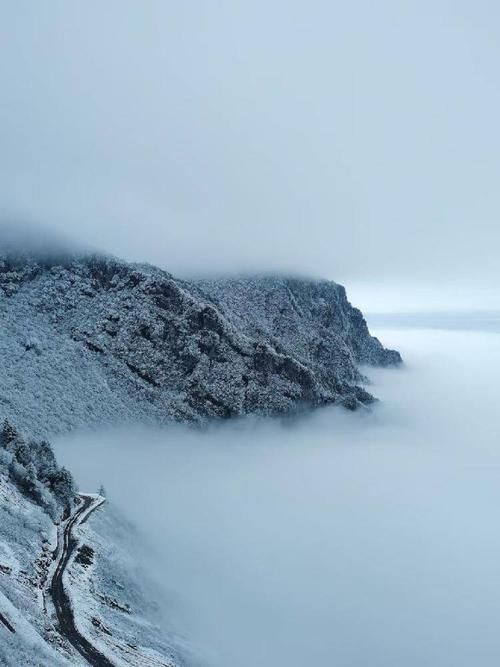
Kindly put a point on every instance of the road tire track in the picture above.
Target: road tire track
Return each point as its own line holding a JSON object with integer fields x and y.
{"x": 7, "y": 624}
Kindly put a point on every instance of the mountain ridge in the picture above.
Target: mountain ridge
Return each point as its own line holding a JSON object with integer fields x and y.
{"x": 159, "y": 348}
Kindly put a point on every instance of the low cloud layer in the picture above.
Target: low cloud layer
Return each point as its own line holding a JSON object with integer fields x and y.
{"x": 345, "y": 539}
{"x": 350, "y": 140}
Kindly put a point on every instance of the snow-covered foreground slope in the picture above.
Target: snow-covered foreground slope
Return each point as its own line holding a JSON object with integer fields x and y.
{"x": 71, "y": 587}
{"x": 113, "y": 599}
{"x": 108, "y": 590}
{"x": 93, "y": 340}
{"x": 27, "y": 534}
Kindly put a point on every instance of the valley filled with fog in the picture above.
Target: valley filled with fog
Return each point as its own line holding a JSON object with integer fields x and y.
{"x": 334, "y": 538}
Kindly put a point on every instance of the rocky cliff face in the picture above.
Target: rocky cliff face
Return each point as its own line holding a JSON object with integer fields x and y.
{"x": 311, "y": 320}
{"x": 95, "y": 339}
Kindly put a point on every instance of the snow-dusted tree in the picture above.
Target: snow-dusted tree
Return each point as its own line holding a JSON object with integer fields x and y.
{"x": 48, "y": 502}
{"x": 22, "y": 452}
{"x": 29, "y": 481}
{"x": 5, "y": 458}
{"x": 34, "y": 469}
{"x": 43, "y": 458}
{"x": 8, "y": 434}
{"x": 62, "y": 485}
{"x": 24, "y": 477}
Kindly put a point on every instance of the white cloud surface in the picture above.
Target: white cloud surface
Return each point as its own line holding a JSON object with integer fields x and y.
{"x": 338, "y": 539}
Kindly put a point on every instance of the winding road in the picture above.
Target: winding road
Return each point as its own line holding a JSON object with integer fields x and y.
{"x": 57, "y": 592}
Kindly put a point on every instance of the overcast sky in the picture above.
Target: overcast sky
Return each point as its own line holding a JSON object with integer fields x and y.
{"x": 354, "y": 140}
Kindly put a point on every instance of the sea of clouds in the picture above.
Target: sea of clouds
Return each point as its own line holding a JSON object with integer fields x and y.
{"x": 334, "y": 539}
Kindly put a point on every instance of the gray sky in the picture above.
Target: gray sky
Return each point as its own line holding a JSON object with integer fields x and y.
{"x": 358, "y": 141}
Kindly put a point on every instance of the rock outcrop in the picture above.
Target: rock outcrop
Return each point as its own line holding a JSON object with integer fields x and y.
{"x": 96, "y": 339}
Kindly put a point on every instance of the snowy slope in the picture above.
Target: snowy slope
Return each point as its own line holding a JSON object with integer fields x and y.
{"x": 311, "y": 320}
{"x": 113, "y": 600}
{"x": 109, "y": 591}
{"x": 86, "y": 340}
{"x": 67, "y": 590}
{"x": 27, "y": 535}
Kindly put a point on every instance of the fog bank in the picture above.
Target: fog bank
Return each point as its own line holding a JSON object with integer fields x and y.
{"x": 355, "y": 140}
{"x": 337, "y": 539}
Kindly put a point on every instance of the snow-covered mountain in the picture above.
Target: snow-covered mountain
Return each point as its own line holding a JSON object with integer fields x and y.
{"x": 91, "y": 339}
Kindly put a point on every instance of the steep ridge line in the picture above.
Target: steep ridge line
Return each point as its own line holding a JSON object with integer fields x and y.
{"x": 59, "y": 595}
{"x": 157, "y": 349}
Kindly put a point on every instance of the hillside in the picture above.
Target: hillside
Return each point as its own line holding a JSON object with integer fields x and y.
{"x": 109, "y": 593}
{"x": 90, "y": 340}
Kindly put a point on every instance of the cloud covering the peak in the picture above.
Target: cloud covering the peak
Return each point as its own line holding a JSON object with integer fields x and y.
{"x": 352, "y": 141}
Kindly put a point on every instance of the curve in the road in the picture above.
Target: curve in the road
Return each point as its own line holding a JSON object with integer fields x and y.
{"x": 61, "y": 599}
